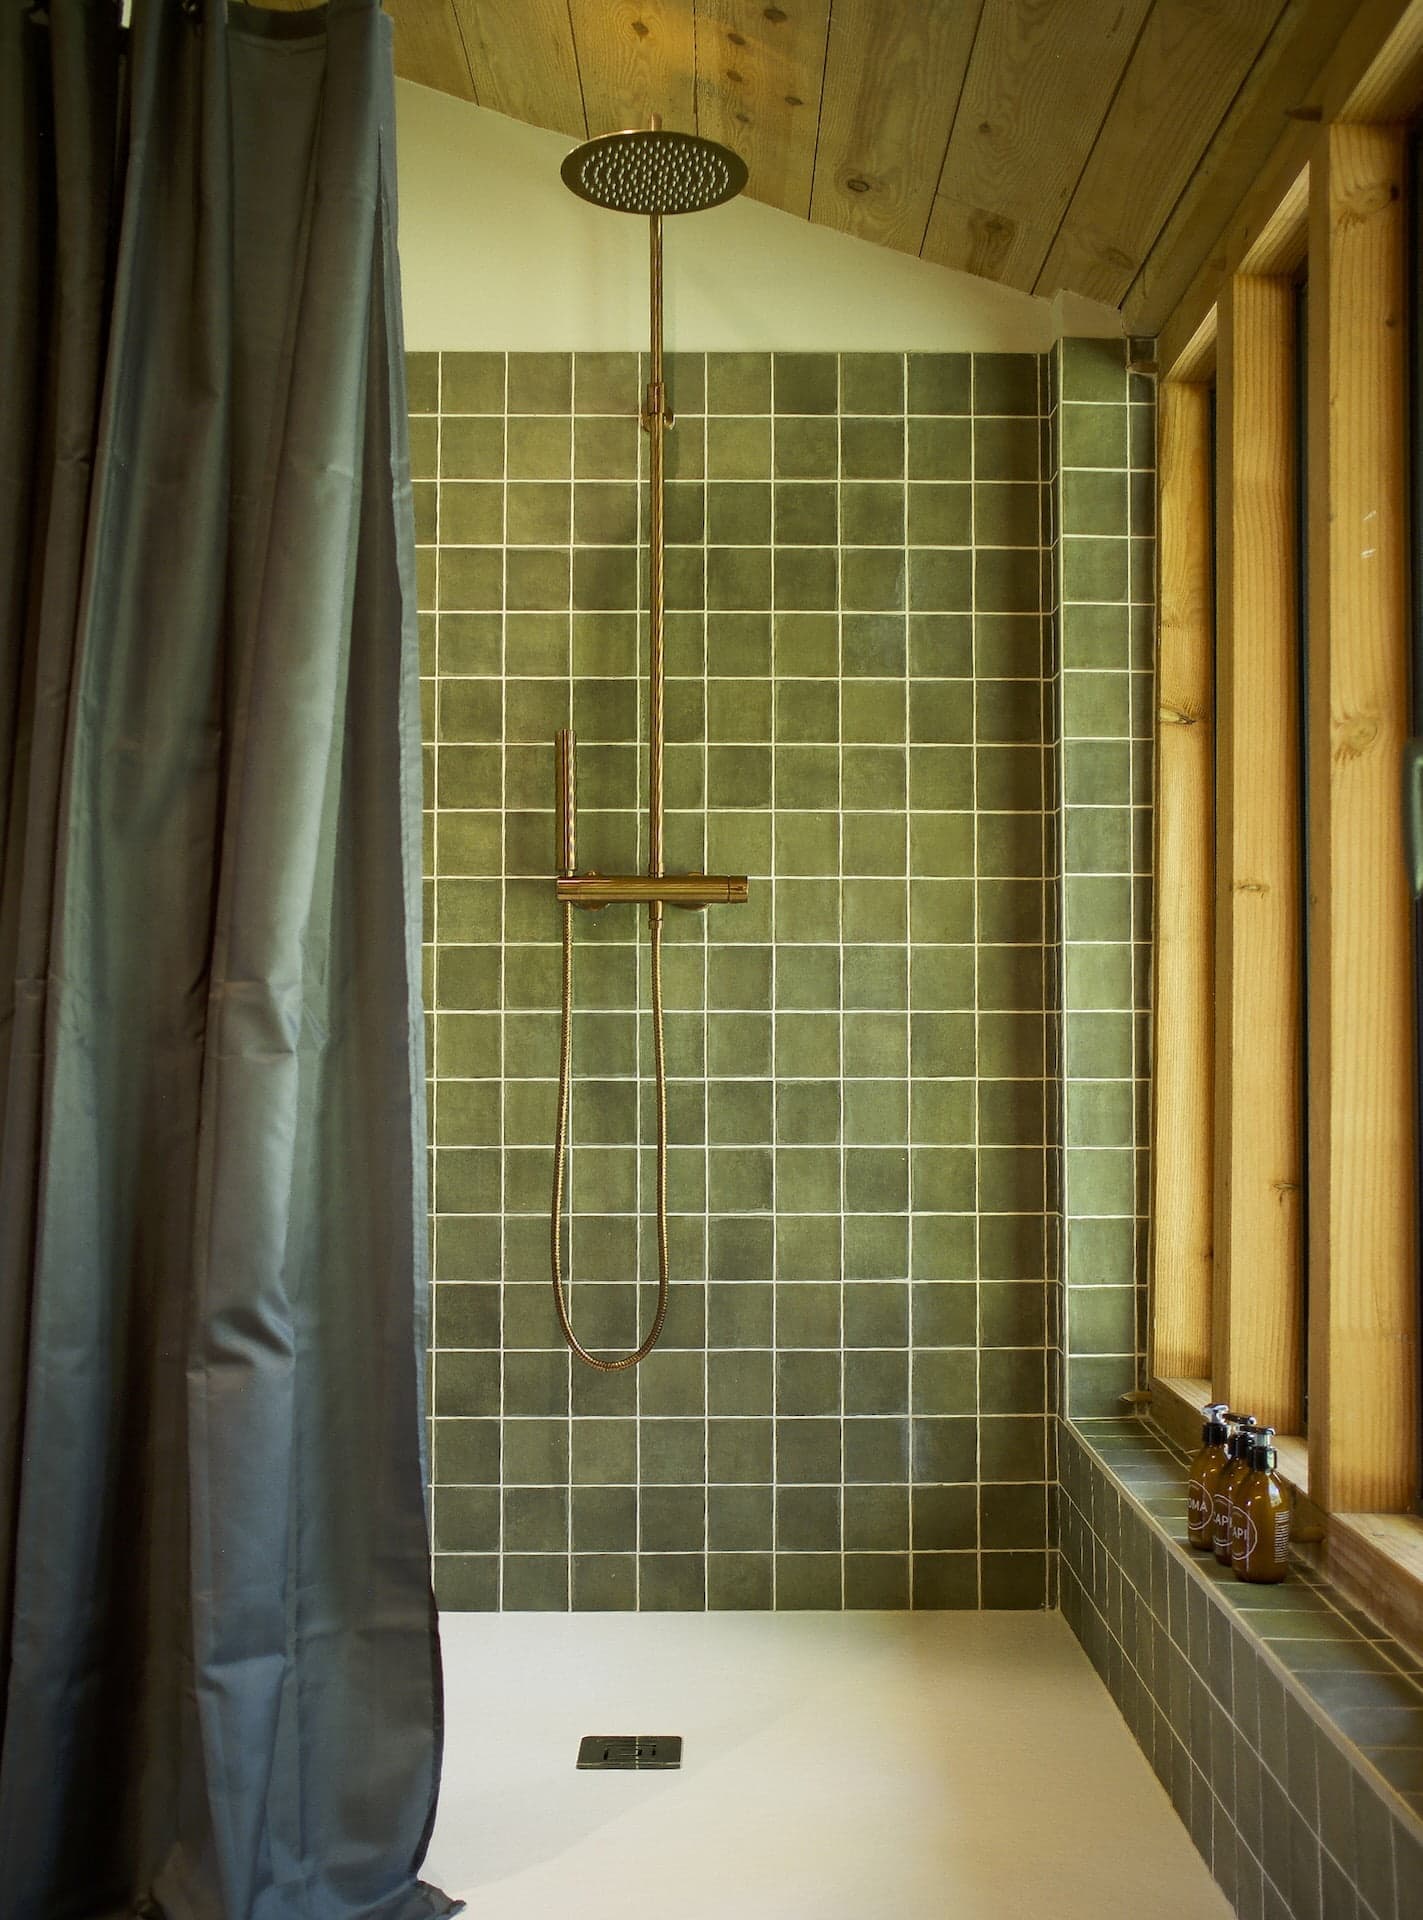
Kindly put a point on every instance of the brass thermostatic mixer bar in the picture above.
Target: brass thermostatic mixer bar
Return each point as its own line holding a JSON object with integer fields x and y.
{"x": 650, "y": 171}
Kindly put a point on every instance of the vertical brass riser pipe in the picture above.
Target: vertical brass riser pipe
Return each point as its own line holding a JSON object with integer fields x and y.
{"x": 655, "y": 421}
{"x": 652, "y": 172}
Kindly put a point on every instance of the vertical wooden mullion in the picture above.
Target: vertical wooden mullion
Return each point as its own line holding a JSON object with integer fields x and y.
{"x": 1363, "y": 1298}
{"x": 1258, "y": 1311}
{"x": 1181, "y": 1052}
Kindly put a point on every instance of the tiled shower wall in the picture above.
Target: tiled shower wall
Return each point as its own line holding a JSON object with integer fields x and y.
{"x": 849, "y": 1404}
{"x": 1101, "y": 491}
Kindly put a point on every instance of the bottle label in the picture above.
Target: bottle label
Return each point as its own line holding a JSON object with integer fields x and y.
{"x": 1243, "y": 1536}
{"x": 1198, "y": 1506}
{"x": 1221, "y": 1522}
{"x": 1282, "y": 1534}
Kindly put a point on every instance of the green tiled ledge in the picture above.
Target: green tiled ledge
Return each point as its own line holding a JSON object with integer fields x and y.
{"x": 1285, "y": 1724}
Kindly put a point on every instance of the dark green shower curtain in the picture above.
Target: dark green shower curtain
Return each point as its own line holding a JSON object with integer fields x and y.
{"x": 219, "y": 1668}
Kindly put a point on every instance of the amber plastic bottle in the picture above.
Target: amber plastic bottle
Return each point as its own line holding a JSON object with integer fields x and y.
{"x": 1206, "y": 1470}
{"x": 1238, "y": 1465}
{"x": 1264, "y": 1508}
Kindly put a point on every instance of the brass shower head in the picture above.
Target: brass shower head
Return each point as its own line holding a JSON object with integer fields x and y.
{"x": 652, "y": 170}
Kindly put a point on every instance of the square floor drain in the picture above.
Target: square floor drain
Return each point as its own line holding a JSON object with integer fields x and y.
{"x": 630, "y": 1752}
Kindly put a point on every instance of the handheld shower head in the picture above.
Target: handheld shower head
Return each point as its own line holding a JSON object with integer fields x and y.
{"x": 652, "y": 170}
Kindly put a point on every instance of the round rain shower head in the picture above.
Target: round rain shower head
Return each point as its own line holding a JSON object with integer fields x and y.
{"x": 653, "y": 170}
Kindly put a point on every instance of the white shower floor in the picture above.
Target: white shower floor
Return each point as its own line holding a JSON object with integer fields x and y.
{"x": 862, "y": 1766}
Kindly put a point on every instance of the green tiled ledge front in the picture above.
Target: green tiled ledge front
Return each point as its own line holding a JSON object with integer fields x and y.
{"x": 1285, "y": 1724}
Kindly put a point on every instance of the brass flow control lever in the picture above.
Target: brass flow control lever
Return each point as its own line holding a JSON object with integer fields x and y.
{"x": 591, "y": 891}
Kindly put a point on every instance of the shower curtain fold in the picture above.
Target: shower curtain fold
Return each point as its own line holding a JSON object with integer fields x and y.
{"x": 219, "y": 1667}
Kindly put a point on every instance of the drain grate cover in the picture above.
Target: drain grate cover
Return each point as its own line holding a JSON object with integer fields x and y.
{"x": 630, "y": 1752}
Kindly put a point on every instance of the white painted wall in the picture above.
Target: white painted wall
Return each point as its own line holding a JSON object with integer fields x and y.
{"x": 498, "y": 254}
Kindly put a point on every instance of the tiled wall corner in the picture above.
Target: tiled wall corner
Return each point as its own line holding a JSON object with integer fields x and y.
{"x": 1102, "y": 489}
{"x": 849, "y": 1407}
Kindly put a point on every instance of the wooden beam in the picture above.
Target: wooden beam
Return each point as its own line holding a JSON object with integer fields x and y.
{"x": 1258, "y": 1332}
{"x": 760, "y": 71}
{"x": 1380, "y": 31}
{"x": 521, "y": 57}
{"x": 1363, "y": 1343}
{"x": 894, "y": 71}
{"x": 1180, "y": 81}
{"x": 1182, "y": 1118}
{"x": 1280, "y": 80}
{"x": 635, "y": 58}
{"x": 1040, "y": 82}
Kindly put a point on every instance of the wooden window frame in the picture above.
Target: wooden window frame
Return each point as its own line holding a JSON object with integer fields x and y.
{"x": 1228, "y": 1146}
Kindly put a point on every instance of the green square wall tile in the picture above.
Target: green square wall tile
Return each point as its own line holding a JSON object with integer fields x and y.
{"x": 1007, "y": 513}
{"x": 940, "y": 580}
{"x": 871, "y": 449}
{"x": 943, "y": 450}
{"x": 806, "y": 513}
{"x": 540, "y": 383}
{"x": 605, "y": 578}
{"x": 940, "y": 513}
{"x": 471, "y": 449}
{"x": 876, "y": 977}
{"x": 805, "y": 578}
{"x": 806, "y": 644}
{"x": 606, "y": 383}
{"x": 471, "y": 513}
{"x": 738, "y": 382}
{"x": 874, "y": 910}
{"x": 605, "y": 449}
{"x": 1094, "y": 502}
{"x": 876, "y": 1112}
{"x": 874, "y": 1044}
{"x": 739, "y": 514}
{"x": 873, "y": 777}
{"x": 1006, "y": 580}
{"x": 472, "y": 383}
{"x": 469, "y": 643}
{"x": 539, "y": 449}
{"x": 941, "y": 644}
{"x": 1094, "y": 567}
{"x": 606, "y": 515}
{"x": 471, "y": 578}
{"x": 873, "y": 577}
{"x": 940, "y": 383}
{"x": 1005, "y": 383}
{"x": 1093, "y": 369}
{"x": 537, "y": 577}
{"x": 872, "y": 382}
{"x": 738, "y": 449}
{"x": 872, "y": 513}
{"x": 1005, "y": 449}
{"x": 1093, "y": 436}
{"x": 807, "y": 776}
{"x": 808, "y": 978}
{"x": 806, "y": 449}
{"x": 872, "y": 711}
{"x": 807, "y": 1113}
{"x": 805, "y": 382}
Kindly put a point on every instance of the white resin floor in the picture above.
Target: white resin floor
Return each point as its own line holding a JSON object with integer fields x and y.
{"x": 862, "y": 1766}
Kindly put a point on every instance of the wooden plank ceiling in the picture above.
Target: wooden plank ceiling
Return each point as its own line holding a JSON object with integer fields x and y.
{"x": 1093, "y": 145}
